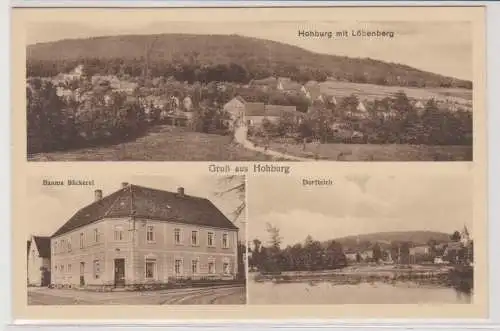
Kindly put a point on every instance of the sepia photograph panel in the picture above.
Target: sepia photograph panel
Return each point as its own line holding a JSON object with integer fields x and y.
{"x": 304, "y": 90}
{"x": 361, "y": 239}
{"x": 136, "y": 240}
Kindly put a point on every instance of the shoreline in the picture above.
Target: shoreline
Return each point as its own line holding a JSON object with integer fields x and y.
{"x": 443, "y": 276}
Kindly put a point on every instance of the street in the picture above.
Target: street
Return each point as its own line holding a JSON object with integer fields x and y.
{"x": 226, "y": 295}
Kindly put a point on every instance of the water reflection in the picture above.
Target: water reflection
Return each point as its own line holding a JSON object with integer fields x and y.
{"x": 363, "y": 293}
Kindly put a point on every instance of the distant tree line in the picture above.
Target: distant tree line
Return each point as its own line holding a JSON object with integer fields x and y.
{"x": 388, "y": 121}
{"x": 190, "y": 69}
{"x": 184, "y": 72}
{"x": 309, "y": 256}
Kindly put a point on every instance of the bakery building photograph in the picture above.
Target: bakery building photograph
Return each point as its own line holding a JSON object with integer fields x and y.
{"x": 143, "y": 234}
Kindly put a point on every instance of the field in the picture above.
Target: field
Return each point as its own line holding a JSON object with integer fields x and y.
{"x": 371, "y": 92}
{"x": 370, "y": 152}
{"x": 162, "y": 143}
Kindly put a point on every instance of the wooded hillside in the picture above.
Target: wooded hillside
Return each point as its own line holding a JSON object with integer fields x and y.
{"x": 219, "y": 57}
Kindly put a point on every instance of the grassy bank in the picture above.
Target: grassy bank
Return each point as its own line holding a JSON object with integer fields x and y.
{"x": 162, "y": 143}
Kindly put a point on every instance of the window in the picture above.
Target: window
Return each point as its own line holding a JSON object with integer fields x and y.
{"x": 62, "y": 267}
{"x": 96, "y": 235}
{"x": 118, "y": 233}
{"x": 225, "y": 240}
{"x": 69, "y": 267}
{"x": 97, "y": 269}
{"x": 82, "y": 240}
{"x": 55, "y": 247}
{"x": 150, "y": 233}
{"x": 194, "y": 238}
{"x": 211, "y": 267}
{"x": 194, "y": 266}
{"x": 177, "y": 236}
{"x": 55, "y": 268}
{"x": 178, "y": 267}
{"x": 69, "y": 245}
{"x": 150, "y": 268}
{"x": 210, "y": 240}
{"x": 225, "y": 267}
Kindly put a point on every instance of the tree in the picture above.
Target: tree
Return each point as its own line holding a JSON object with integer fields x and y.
{"x": 455, "y": 236}
{"x": 274, "y": 236}
{"x": 320, "y": 120}
{"x": 238, "y": 186}
{"x": 402, "y": 103}
{"x": 45, "y": 119}
{"x": 377, "y": 253}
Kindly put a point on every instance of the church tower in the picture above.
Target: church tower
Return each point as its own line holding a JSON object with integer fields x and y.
{"x": 465, "y": 236}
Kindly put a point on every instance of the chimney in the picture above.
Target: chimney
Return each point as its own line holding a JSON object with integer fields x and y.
{"x": 124, "y": 184}
{"x": 98, "y": 195}
{"x": 180, "y": 191}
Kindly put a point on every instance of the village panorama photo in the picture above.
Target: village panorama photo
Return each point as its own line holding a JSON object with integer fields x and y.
{"x": 249, "y": 91}
{"x": 147, "y": 241}
{"x": 362, "y": 239}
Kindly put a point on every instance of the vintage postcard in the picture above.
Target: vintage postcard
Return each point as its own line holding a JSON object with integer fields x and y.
{"x": 304, "y": 89}
{"x": 222, "y": 223}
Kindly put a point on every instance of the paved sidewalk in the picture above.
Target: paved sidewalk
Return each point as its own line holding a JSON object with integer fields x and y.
{"x": 210, "y": 295}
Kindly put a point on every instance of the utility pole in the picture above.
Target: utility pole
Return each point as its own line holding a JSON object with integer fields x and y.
{"x": 133, "y": 230}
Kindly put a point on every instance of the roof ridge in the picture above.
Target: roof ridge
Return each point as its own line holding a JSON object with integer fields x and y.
{"x": 171, "y": 192}
{"x": 113, "y": 204}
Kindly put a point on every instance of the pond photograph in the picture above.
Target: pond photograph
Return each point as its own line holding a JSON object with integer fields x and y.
{"x": 379, "y": 239}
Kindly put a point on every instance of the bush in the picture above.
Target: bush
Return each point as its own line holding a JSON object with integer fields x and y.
{"x": 54, "y": 124}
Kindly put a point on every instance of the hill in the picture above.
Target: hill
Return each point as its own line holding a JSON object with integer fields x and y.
{"x": 204, "y": 57}
{"x": 415, "y": 237}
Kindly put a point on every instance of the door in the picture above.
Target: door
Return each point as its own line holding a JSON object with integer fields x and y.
{"x": 119, "y": 272}
{"x": 82, "y": 273}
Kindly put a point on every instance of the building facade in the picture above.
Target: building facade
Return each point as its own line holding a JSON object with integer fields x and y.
{"x": 139, "y": 235}
{"x": 38, "y": 261}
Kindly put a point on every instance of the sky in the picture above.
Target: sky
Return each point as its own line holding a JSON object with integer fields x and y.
{"x": 359, "y": 205}
{"x": 54, "y": 205}
{"x": 439, "y": 47}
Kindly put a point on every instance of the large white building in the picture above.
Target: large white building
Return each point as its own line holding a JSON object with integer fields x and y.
{"x": 139, "y": 235}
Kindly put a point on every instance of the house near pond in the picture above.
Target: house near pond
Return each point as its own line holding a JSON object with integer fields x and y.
{"x": 139, "y": 235}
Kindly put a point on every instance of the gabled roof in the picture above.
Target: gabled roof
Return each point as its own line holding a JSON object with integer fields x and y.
{"x": 148, "y": 203}
{"x": 43, "y": 246}
{"x": 240, "y": 99}
{"x": 255, "y": 109}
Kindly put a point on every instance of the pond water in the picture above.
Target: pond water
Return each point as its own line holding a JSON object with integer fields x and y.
{"x": 363, "y": 293}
